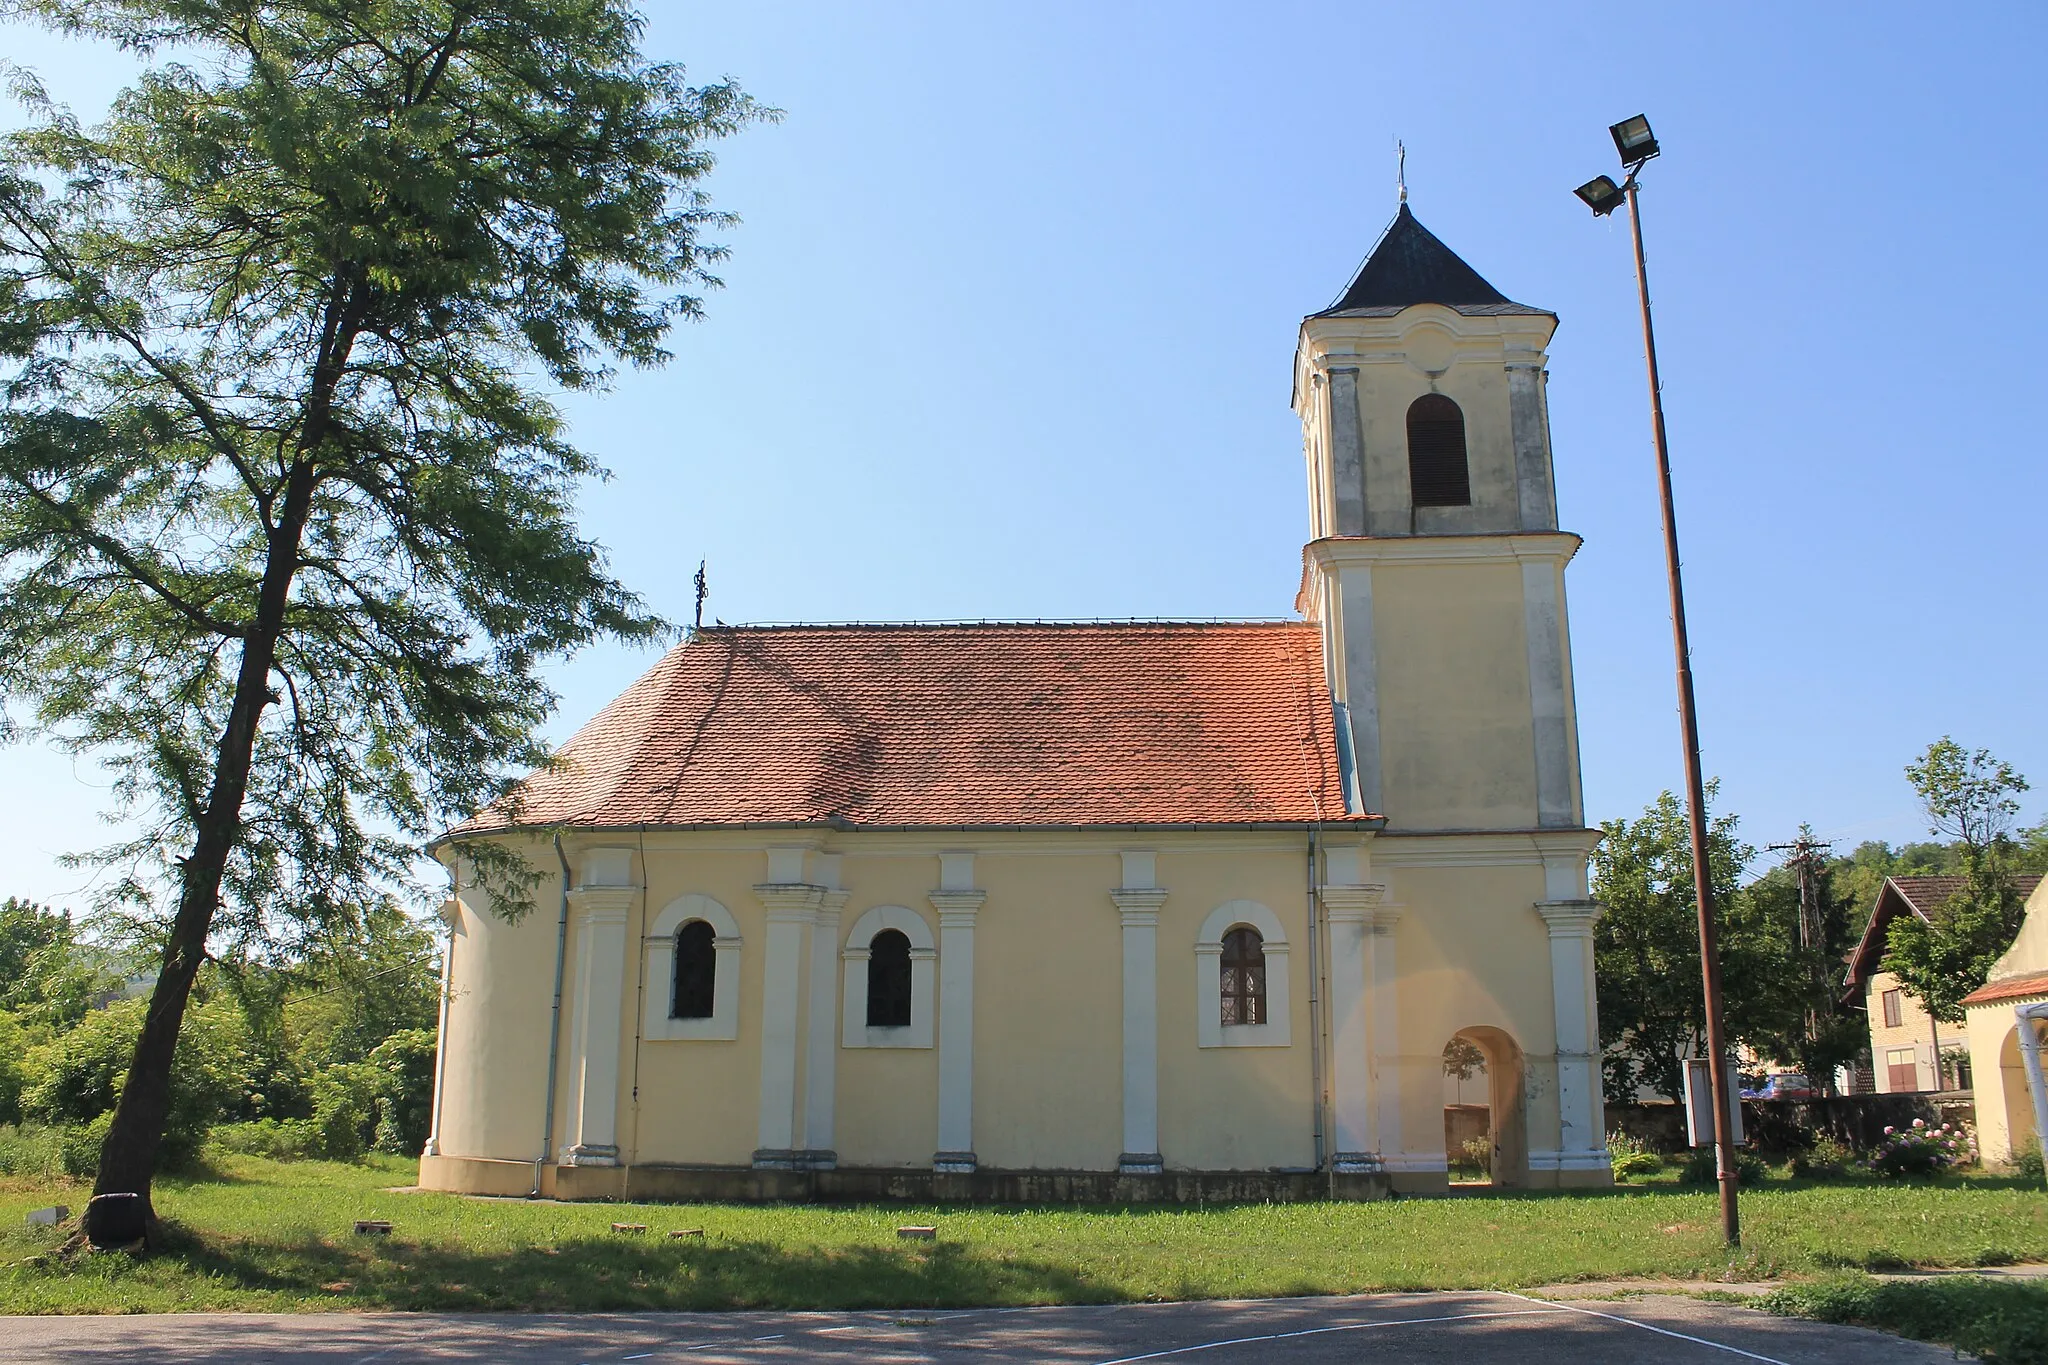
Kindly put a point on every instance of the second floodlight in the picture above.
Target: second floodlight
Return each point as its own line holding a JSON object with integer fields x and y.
{"x": 1634, "y": 140}
{"x": 1601, "y": 195}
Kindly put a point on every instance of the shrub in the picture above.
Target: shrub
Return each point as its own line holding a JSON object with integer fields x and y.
{"x": 278, "y": 1139}
{"x": 1630, "y": 1155}
{"x": 83, "y": 1072}
{"x": 1921, "y": 1150}
{"x": 79, "y": 1147}
{"x": 2003, "y": 1321}
{"x": 2026, "y": 1163}
{"x": 1700, "y": 1168}
{"x": 1827, "y": 1159}
{"x": 404, "y": 1063}
{"x": 13, "y": 1076}
{"x": 32, "y": 1149}
{"x": 345, "y": 1109}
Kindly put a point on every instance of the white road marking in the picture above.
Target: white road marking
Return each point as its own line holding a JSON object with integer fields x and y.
{"x": 1660, "y": 1331}
{"x": 1319, "y": 1331}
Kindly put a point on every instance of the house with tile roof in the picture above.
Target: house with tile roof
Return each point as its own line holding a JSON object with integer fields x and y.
{"x": 1909, "y": 1050}
{"x": 1091, "y": 910}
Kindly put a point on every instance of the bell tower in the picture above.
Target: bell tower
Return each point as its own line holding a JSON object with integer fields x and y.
{"x": 1435, "y": 566}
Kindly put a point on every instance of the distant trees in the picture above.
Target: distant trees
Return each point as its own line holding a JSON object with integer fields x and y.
{"x": 1972, "y": 797}
{"x": 1782, "y": 989}
{"x": 325, "y": 1050}
{"x": 1647, "y": 953}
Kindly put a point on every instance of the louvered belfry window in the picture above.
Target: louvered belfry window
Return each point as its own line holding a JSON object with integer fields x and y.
{"x": 1244, "y": 977}
{"x": 889, "y": 980}
{"x": 696, "y": 971}
{"x": 1437, "y": 476}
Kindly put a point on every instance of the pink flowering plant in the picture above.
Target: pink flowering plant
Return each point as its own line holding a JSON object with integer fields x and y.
{"x": 1921, "y": 1150}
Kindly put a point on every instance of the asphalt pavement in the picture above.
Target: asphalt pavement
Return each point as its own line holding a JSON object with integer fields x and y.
{"x": 1472, "y": 1328}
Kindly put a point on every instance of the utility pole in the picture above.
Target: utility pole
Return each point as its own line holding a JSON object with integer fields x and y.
{"x": 1807, "y": 857}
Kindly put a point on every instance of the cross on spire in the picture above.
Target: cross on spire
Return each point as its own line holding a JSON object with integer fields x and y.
{"x": 1401, "y": 168}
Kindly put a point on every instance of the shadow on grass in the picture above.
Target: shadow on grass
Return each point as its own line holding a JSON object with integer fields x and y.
{"x": 628, "y": 1272}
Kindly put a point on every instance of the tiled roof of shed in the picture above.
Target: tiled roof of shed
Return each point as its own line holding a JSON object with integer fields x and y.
{"x": 957, "y": 726}
{"x": 2009, "y": 988}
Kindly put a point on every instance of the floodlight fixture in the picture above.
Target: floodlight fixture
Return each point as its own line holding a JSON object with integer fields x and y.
{"x": 1601, "y": 195}
{"x": 1634, "y": 140}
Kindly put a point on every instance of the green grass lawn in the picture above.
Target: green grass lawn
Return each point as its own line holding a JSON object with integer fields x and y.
{"x": 262, "y": 1235}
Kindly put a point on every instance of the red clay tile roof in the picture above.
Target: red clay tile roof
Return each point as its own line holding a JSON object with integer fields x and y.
{"x": 1923, "y": 896}
{"x": 2009, "y": 988}
{"x": 960, "y": 725}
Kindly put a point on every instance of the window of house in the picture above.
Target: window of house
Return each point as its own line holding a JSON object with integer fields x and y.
{"x": 1437, "y": 471}
{"x": 889, "y": 980}
{"x": 695, "y": 987}
{"x": 1892, "y": 1014}
{"x": 1243, "y": 977}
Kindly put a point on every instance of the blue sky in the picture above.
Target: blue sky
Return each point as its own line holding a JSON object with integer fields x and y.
{"x": 1008, "y": 325}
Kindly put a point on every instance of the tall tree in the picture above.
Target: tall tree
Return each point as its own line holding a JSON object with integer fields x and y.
{"x": 1972, "y": 797}
{"x": 286, "y": 522}
{"x": 1647, "y": 949}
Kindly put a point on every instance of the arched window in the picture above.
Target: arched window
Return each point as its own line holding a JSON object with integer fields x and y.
{"x": 695, "y": 989}
{"x": 889, "y": 980}
{"x": 1437, "y": 474}
{"x": 1243, "y": 977}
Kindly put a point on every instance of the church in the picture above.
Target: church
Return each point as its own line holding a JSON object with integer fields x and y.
{"x": 1096, "y": 912}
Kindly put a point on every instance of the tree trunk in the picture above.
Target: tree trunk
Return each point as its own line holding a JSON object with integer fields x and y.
{"x": 128, "y": 1157}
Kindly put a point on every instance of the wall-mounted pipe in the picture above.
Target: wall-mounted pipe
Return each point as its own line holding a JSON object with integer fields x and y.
{"x": 547, "y": 1130}
{"x": 2030, "y": 1056}
{"x": 1315, "y": 1006}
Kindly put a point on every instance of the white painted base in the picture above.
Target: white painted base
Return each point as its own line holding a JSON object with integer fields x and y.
{"x": 1357, "y": 1163}
{"x": 955, "y": 1163}
{"x": 590, "y": 1155}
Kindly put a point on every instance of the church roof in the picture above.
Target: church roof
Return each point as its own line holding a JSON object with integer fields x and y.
{"x": 1410, "y": 265}
{"x": 997, "y": 724}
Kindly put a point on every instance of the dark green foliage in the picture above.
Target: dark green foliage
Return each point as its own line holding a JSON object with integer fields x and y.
{"x": 1647, "y": 953}
{"x": 2000, "y": 1321}
{"x": 287, "y": 524}
{"x": 404, "y": 1064}
{"x": 1699, "y": 1167}
{"x": 1826, "y": 1159}
{"x": 83, "y": 1072}
{"x": 1971, "y": 797}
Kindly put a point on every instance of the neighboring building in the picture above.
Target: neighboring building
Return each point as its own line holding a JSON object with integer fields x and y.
{"x": 1084, "y": 910}
{"x": 1908, "y": 1049}
{"x": 2005, "y": 1111}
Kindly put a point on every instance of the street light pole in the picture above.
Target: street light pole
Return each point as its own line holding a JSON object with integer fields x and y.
{"x": 1695, "y": 787}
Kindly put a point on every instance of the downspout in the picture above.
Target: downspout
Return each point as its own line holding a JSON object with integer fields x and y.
{"x": 1315, "y": 1010}
{"x": 547, "y": 1130}
{"x": 2030, "y": 1056}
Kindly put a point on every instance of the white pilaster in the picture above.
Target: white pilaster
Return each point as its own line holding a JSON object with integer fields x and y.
{"x": 1385, "y": 1045}
{"x": 821, "y": 1054}
{"x": 1349, "y": 911}
{"x": 791, "y": 915}
{"x": 957, "y": 903}
{"x": 1137, "y": 902}
{"x": 451, "y": 915}
{"x": 599, "y": 908}
{"x": 1581, "y": 1142}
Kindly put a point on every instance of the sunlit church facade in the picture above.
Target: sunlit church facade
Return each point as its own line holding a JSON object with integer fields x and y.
{"x": 1090, "y": 911}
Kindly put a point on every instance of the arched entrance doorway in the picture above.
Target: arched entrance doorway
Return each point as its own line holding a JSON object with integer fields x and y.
{"x": 2012, "y": 1085}
{"x": 1486, "y": 1131}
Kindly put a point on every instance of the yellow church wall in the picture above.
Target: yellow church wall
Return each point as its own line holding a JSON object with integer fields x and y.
{"x": 1473, "y": 954}
{"x": 1232, "y": 1108}
{"x": 2005, "y": 1111}
{"x": 888, "y": 1098}
{"x": 496, "y": 1048}
{"x": 699, "y": 1098}
{"x": 1457, "y": 743}
{"x": 1048, "y": 990}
